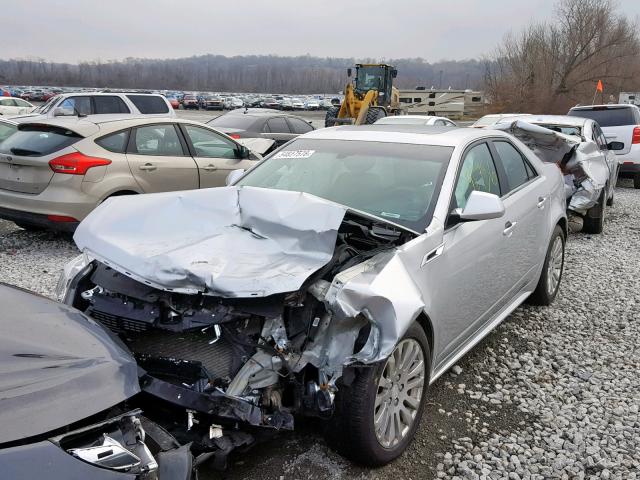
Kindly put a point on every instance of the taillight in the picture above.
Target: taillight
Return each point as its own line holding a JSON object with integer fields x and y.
{"x": 76, "y": 163}
{"x": 234, "y": 135}
{"x": 61, "y": 218}
{"x": 636, "y": 135}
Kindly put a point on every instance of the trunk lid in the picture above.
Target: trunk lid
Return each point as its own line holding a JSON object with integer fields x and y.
{"x": 25, "y": 156}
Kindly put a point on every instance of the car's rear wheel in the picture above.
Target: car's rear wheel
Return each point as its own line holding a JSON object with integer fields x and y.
{"x": 378, "y": 413}
{"x": 594, "y": 219}
{"x": 551, "y": 275}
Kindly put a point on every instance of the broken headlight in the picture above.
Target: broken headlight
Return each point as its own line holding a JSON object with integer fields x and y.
{"x": 116, "y": 444}
{"x": 71, "y": 269}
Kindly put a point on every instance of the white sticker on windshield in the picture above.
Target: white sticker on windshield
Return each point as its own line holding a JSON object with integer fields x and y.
{"x": 294, "y": 154}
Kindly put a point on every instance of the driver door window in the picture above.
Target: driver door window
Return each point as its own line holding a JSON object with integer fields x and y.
{"x": 78, "y": 105}
{"x": 215, "y": 155}
{"x": 478, "y": 172}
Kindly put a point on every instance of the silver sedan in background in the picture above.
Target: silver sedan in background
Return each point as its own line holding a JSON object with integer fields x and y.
{"x": 348, "y": 271}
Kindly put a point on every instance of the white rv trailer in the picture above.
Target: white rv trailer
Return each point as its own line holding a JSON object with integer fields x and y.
{"x": 447, "y": 103}
{"x": 629, "y": 97}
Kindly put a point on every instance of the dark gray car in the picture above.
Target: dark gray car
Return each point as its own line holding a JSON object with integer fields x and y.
{"x": 64, "y": 382}
{"x": 260, "y": 123}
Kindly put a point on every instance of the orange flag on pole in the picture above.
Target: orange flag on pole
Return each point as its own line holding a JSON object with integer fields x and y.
{"x": 600, "y": 87}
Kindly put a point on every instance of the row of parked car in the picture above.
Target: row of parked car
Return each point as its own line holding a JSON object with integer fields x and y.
{"x": 337, "y": 277}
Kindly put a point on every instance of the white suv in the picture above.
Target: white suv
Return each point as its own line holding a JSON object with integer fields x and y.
{"x": 102, "y": 106}
{"x": 620, "y": 123}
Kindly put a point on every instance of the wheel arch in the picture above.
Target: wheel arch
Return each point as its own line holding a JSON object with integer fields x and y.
{"x": 425, "y": 322}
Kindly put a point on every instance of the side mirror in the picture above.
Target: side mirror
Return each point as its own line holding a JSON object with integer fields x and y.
{"x": 234, "y": 175}
{"x": 481, "y": 206}
{"x": 243, "y": 152}
{"x": 394, "y": 73}
{"x": 63, "y": 112}
{"x": 349, "y": 72}
{"x": 615, "y": 146}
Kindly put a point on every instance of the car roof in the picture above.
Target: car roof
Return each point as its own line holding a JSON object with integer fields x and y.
{"x": 415, "y": 134}
{"x": 553, "y": 119}
{"x": 604, "y": 106}
{"x": 86, "y": 127}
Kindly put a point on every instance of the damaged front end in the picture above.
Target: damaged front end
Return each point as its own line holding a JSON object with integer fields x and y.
{"x": 254, "y": 318}
{"x": 584, "y": 169}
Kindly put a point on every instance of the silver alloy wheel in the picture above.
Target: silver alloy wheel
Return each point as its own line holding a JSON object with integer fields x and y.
{"x": 399, "y": 393}
{"x": 554, "y": 266}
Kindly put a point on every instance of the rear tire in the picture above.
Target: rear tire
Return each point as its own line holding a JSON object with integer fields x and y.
{"x": 352, "y": 431}
{"x": 594, "y": 219}
{"x": 331, "y": 116}
{"x": 374, "y": 114}
{"x": 552, "y": 269}
{"x": 636, "y": 181}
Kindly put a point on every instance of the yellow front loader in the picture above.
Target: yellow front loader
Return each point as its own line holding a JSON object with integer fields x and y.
{"x": 369, "y": 97}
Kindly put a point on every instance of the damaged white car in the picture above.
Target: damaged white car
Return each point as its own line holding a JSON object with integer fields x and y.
{"x": 587, "y": 161}
{"x": 338, "y": 278}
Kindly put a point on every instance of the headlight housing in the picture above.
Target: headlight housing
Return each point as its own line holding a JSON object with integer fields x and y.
{"x": 70, "y": 271}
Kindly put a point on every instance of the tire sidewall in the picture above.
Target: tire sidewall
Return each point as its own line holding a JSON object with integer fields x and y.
{"x": 385, "y": 455}
{"x": 557, "y": 232}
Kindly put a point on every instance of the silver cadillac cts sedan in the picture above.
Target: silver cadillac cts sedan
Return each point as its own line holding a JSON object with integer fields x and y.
{"x": 337, "y": 278}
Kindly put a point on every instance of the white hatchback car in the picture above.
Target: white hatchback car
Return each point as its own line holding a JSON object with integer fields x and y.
{"x": 14, "y": 106}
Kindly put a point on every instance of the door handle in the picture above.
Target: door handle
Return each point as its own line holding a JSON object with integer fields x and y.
{"x": 210, "y": 168}
{"x": 147, "y": 166}
{"x": 508, "y": 228}
{"x": 541, "y": 202}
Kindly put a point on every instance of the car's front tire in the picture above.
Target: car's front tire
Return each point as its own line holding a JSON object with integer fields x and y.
{"x": 378, "y": 413}
{"x": 552, "y": 269}
{"x": 594, "y": 219}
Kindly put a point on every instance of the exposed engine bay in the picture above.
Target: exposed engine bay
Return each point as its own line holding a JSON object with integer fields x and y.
{"x": 252, "y": 361}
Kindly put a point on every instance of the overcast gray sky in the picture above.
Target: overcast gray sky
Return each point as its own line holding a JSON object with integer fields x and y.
{"x": 74, "y": 30}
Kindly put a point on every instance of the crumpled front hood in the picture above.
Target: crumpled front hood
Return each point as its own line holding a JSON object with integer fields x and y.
{"x": 227, "y": 242}
{"x": 57, "y": 366}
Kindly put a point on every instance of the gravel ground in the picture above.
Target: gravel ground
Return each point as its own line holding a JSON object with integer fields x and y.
{"x": 552, "y": 393}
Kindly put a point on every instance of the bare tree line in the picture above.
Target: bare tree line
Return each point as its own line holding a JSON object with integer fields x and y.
{"x": 273, "y": 74}
{"x": 550, "y": 67}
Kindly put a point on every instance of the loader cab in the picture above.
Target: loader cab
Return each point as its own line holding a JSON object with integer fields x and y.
{"x": 374, "y": 77}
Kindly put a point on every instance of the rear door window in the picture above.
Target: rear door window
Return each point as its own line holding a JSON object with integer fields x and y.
{"x": 149, "y": 104}
{"x": 160, "y": 140}
{"x": 7, "y": 102}
{"x": 298, "y": 126}
{"x": 278, "y": 125}
{"x": 109, "y": 104}
{"x": 607, "y": 116}
{"x": 38, "y": 140}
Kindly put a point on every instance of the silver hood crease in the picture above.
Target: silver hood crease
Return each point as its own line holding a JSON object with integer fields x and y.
{"x": 244, "y": 242}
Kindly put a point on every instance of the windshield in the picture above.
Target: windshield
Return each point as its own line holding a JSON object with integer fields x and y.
{"x": 485, "y": 121}
{"x": 46, "y": 106}
{"x": 370, "y": 78}
{"x": 396, "y": 181}
{"x": 607, "y": 116}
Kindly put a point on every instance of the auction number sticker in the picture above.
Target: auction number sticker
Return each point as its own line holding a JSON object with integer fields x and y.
{"x": 294, "y": 154}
